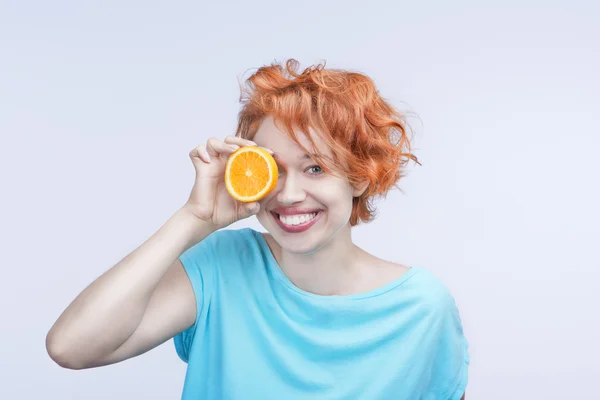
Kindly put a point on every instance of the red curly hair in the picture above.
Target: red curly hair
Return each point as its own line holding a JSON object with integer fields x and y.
{"x": 366, "y": 135}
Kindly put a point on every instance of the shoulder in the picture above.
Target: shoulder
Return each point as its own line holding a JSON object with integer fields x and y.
{"x": 221, "y": 247}
{"x": 450, "y": 359}
{"x": 227, "y": 236}
{"x": 224, "y": 241}
{"x": 430, "y": 291}
{"x": 430, "y": 282}
{"x": 225, "y": 258}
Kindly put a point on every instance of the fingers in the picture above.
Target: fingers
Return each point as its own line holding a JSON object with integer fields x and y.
{"x": 201, "y": 153}
{"x": 245, "y": 142}
{"x": 271, "y": 152}
{"x": 215, "y": 147}
{"x": 239, "y": 141}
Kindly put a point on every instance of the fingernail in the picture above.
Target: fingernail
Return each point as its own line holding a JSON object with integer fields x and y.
{"x": 207, "y": 156}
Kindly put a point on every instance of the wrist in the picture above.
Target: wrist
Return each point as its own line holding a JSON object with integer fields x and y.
{"x": 196, "y": 229}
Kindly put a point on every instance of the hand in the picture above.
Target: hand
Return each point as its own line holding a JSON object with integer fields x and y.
{"x": 209, "y": 200}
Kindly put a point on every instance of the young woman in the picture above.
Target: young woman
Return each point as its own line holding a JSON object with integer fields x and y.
{"x": 298, "y": 312}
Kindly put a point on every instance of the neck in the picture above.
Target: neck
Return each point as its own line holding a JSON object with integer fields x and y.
{"x": 332, "y": 269}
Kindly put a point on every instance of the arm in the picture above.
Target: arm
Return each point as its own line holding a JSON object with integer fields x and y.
{"x": 135, "y": 306}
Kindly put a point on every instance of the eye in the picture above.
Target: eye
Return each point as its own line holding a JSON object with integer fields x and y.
{"x": 320, "y": 170}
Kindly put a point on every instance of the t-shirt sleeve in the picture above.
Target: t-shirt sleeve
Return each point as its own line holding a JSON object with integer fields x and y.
{"x": 450, "y": 369}
{"x": 199, "y": 263}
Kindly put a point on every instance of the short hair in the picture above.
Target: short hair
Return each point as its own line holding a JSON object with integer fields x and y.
{"x": 367, "y": 136}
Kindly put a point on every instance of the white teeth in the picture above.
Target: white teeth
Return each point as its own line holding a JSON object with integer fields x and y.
{"x": 296, "y": 219}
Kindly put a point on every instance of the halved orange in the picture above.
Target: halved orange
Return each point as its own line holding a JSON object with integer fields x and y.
{"x": 250, "y": 174}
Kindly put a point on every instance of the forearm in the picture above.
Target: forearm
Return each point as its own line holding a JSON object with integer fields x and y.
{"x": 108, "y": 311}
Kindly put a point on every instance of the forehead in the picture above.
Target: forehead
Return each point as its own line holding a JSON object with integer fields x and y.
{"x": 271, "y": 136}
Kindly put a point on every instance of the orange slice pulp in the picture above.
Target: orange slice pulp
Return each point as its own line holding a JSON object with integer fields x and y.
{"x": 250, "y": 174}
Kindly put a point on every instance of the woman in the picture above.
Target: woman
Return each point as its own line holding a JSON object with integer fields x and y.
{"x": 300, "y": 312}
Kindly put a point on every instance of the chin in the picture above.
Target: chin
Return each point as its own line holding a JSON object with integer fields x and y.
{"x": 304, "y": 249}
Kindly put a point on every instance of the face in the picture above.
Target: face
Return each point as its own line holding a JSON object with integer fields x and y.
{"x": 303, "y": 190}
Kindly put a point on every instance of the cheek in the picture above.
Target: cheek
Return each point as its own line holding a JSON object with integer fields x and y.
{"x": 334, "y": 194}
{"x": 338, "y": 203}
{"x": 327, "y": 192}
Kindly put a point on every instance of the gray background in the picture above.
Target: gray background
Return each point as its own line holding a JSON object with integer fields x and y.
{"x": 100, "y": 103}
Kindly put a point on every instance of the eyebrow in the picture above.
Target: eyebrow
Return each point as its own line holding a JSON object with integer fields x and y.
{"x": 303, "y": 157}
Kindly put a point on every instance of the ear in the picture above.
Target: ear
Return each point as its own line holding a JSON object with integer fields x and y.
{"x": 359, "y": 190}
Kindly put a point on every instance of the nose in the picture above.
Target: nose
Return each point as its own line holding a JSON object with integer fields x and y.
{"x": 291, "y": 191}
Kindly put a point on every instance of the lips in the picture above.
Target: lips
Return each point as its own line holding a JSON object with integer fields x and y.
{"x": 297, "y": 228}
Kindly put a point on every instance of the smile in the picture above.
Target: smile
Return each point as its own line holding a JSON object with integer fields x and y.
{"x": 296, "y": 223}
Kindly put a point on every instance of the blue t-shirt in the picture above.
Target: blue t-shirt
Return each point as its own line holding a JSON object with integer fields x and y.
{"x": 258, "y": 336}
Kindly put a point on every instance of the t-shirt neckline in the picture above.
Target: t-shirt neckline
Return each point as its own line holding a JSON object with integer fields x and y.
{"x": 276, "y": 269}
